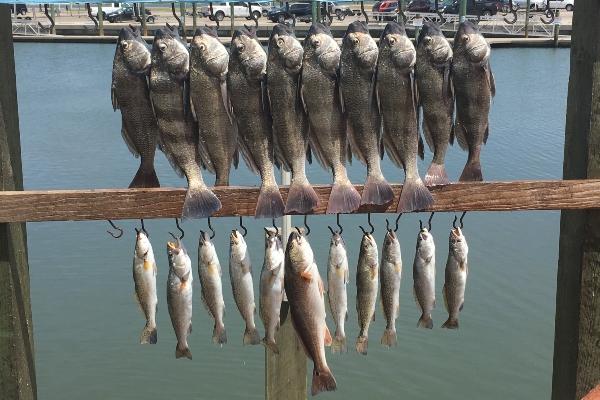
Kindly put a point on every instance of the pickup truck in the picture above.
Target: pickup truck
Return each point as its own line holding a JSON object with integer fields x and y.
{"x": 240, "y": 10}
{"x": 108, "y": 8}
{"x": 485, "y": 8}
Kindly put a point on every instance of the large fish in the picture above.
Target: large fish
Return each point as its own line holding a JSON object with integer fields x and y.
{"x": 456, "y": 277}
{"x": 130, "y": 93}
{"x": 357, "y": 66}
{"x": 169, "y": 91}
{"x": 320, "y": 99}
{"x": 474, "y": 88}
{"x": 424, "y": 278}
{"x": 179, "y": 295}
{"x": 304, "y": 288}
{"x": 337, "y": 279}
{"x": 240, "y": 273}
{"x": 367, "y": 282}
{"x": 390, "y": 275}
{"x": 432, "y": 73}
{"x": 247, "y": 91}
{"x": 271, "y": 288}
{"x": 144, "y": 277}
{"x": 394, "y": 93}
{"x": 290, "y": 125}
{"x": 210, "y": 274}
{"x": 210, "y": 104}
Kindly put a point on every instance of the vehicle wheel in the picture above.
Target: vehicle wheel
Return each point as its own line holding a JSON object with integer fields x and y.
{"x": 569, "y": 7}
{"x": 341, "y": 16}
{"x": 256, "y": 14}
{"x": 548, "y": 14}
{"x": 265, "y": 13}
{"x": 151, "y": 20}
{"x": 487, "y": 13}
{"x": 281, "y": 18}
{"x": 532, "y": 7}
{"x": 219, "y": 15}
{"x": 103, "y": 15}
{"x": 23, "y": 11}
{"x": 337, "y": 13}
{"x": 119, "y": 19}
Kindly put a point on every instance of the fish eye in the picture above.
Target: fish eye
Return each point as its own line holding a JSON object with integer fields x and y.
{"x": 453, "y": 241}
{"x": 316, "y": 43}
{"x": 465, "y": 38}
{"x": 391, "y": 41}
{"x": 280, "y": 42}
{"x": 355, "y": 42}
{"x": 231, "y": 242}
{"x": 202, "y": 47}
{"x": 387, "y": 241}
{"x": 241, "y": 47}
{"x": 162, "y": 47}
{"x": 428, "y": 40}
{"x": 124, "y": 45}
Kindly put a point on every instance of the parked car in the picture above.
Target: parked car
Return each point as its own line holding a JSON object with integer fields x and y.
{"x": 376, "y": 6}
{"x": 535, "y": 5}
{"x": 566, "y": 4}
{"x": 485, "y": 8}
{"x": 302, "y": 11}
{"x": 126, "y": 13}
{"x": 388, "y": 7}
{"x": 107, "y": 8}
{"x": 21, "y": 9}
{"x": 340, "y": 10}
{"x": 240, "y": 10}
{"x": 420, "y": 6}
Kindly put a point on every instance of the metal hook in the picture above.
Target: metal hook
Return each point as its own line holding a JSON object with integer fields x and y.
{"x": 337, "y": 219}
{"x": 437, "y": 11}
{"x": 306, "y": 226}
{"x": 94, "y": 20}
{"x": 180, "y": 230}
{"x": 49, "y": 17}
{"x": 549, "y": 13}
{"x": 117, "y": 228}
{"x": 181, "y": 26}
{"x": 387, "y": 223}
{"x": 211, "y": 229}
{"x": 461, "y": 221}
{"x": 174, "y": 236}
{"x": 243, "y": 227}
{"x": 362, "y": 8}
{"x": 370, "y": 224}
{"x": 211, "y": 16}
{"x": 252, "y": 17}
{"x": 144, "y": 229}
{"x": 328, "y": 14}
{"x": 513, "y": 11}
{"x": 428, "y": 222}
{"x": 274, "y": 226}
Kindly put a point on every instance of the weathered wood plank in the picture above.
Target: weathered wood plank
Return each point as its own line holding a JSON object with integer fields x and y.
{"x": 79, "y": 205}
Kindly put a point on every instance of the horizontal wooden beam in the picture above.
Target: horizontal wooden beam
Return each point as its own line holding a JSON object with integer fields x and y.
{"x": 81, "y": 205}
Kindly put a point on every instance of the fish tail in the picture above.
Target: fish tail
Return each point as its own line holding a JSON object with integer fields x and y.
{"x": 389, "y": 339}
{"x": 251, "y": 336}
{"x": 270, "y": 203}
{"x": 414, "y": 196}
{"x": 185, "y": 352}
{"x": 322, "y": 381}
{"x": 377, "y": 191}
{"x": 362, "y": 344}
{"x": 436, "y": 175}
{"x": 148, "y": 335}
{"x": 302, "y": 198}
{"x": 270, "y": 343}
{"x": 200, "y": 202}
{"x": 471, "y": 172}
{"x": 344, "y": 198}
{"x": 219, "y": 334}
{"x": 425, "y": 322}
{"x": 145, "y": 178}
{"x": 338, "y": 343}
{"x": 451, "y": 323}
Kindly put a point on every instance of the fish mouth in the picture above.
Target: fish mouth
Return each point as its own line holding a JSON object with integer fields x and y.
{"x": 220, "y": 56}
{"x": 457, "y": 234}
{"x": 479, "y": 46}
{"x": 292, "y": 52}
{"x": 368, "y": 51}
{"x": 176, "y": 56}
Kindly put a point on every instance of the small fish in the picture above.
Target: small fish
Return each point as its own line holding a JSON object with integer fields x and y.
{"x": 144, "y": 277}
{"x": 456, "y": 277}
{"x": 357, "y": 67}
{"x": 210, "y": 104}
{"x": 178, "y": 138}
{"x": 337, "y": 278}
{"x": 210, "y": 274}
{"x": 304, "y": 288}
{"x": 395, "y": 95}
{"x": 271, "y": 288}
{"x": 290, "y": 125}
{"x": 474, "y": 88}
{"x": 130, "y": 93}
{"x": 240, "y": 273}
{"x": 179, "y": 295}
{"x": 248, "y": 94}
{"x": 432, "y": 74}
{"x": 424, "y": 278}
{"x": 390, "y": 276}
{"x": 320, "y": 98}
{"x": 367, "y": 281}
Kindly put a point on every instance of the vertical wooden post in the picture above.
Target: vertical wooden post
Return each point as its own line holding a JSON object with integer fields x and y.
{"x": 528, "y": 5}
{"x": 195, "y": 18}
{"x": 556, "y": 30}
{"x": 144, "y": 19}
{"x": 577, "y": 327}
{"x": 100, "y": 16}
{"x": 17, "y": 367}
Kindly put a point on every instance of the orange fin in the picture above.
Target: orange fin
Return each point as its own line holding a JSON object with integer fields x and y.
{"x": 306, "y": 275}
{"x": 327, "y": 337}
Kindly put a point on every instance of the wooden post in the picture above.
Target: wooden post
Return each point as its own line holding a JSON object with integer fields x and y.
{"x": 17, "y": 367}
{"x": 556, "y": 30}
{"x": 100, "y": 16}
{"x": 143, "y": 20}
{"x": 195, "y": 18}
{"x": 577, "y": 327}
{"x": 527, "y": 18}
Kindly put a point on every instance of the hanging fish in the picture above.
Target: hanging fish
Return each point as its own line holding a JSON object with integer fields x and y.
{"x": 271, "y": 288}
{"x": 456, "y": 277}
{"x": 144, "y": 277}
{"x": 304, "y": 288}
{"x": 210, "y": 274}
{"x": 424, "y": 278}
{"x": 179, "y": 295}
{"x": 337, "y": 278}
{"x": 367, "y": 282}
{"x": 240, "y": 273}
{"x": 390, "y": 276}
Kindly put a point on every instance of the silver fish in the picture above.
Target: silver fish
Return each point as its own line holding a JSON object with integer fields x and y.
{"x": 179, "y": 295}
{"x": 337, "y": 279}
{"x": 210, "y": 274}
{"x": 424, "y": 278}
{"x": 144, "y": 277}
{"x": 457, "y": 270}
{"x": 390, "y": 275}
{"x": 271, "y": 288}
{"x": 367, "y": 282}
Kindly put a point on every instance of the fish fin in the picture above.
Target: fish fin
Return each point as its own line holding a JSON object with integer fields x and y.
{"x": 414, "y": 196}
{"x": 170, "y": 157}
{"x": 471, "y": 172}
{"x": 193, "y": 109}
{"x": 373, "y": 317}
{"x": 300, "y": 337}
{"x": 270, "y": 344}
{"x": 338, "y": 343}
{"x": 183, "y": 353}
{"x": 445, "y": 298}
{"x": 205, "y": 155}
{"x": 451, "y": 138}
{"x": 362, "y": 344}
{"x": 247, "y": 156}
{"x": 317, "y": 150}
{"x": 322, "y": 381}
{"x": 354, "y": 144}
{"x": 341, "y": 96}
{"x": 148, "y": 335}
{"x": 235, "y": 160}
{"x": 374, "y": 104}
{"x": 302, "y": 198}
{"x": 199, "y": 202}
{"x": 436, "y": 175}
{"x": 461, "y": 306}
{"x": 145, "y": 179}
{"x": 486, "y": 133}
{"x": 343, "y": 199}
{"x": 113, "y": 98}
{"x": 420, "y": 147}
{"x": 251, "y": 336}
{"x": 269, "y": 203}
{"x": 425, "y": 322}
{"x": 205, "y": 303}
{"x": 377, "y": 191}
{"x": 139, "y": 304}
{"x": 300, "y": 96}
{"x": 154, "y": 272}
{"x": 389, "y": 339}
{"x": 346, "y": 280}
{"x": 266, "y": 104}
{"x": 490, "y": 79}
{"x": 308, "y": 153}
{"x": 461, "y": 135}
{"x": 391, "y": 150}
{"x": 129, "y": 142}
{"x": 328, "y": 339}
{"x": 306, "y": 275}
{"x": 219, "y": 334}
{"x": 348, "y": 151}
{"x": 428, "y": 137}
{"x": 417, "y": 300}
{"x": 447, "y": 85}
{"x": 450, "y": 323}
{"x": 225, "y": 98}
{"x": 190, "y": 328}
{"x": 219, "y": 270}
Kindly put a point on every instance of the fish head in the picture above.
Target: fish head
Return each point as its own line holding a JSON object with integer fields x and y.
{"x": 298, "y": 252}
{"x": 207, "y": 50}
{"x": 471, "y": 43}
{"x": 134, "y": 52}
{"x": 273, "y": 248}
{"x": 425, "y": 245}
{"x": 178, "y": 255}
{"x": 433, "y": 44}
{"x": 395, "y": 44}
{"x": 142, "y": 246}
{"x": 248, "y": 52}
{"x": 170, "y": 53}
{"x": 368, "y": 249}
{"x": 337, "y": 240}
{"x": 360, "y": 45}
{"x": 285, "y": 48}
{"x": 206, "y": 248}
{"x": 391, "y": 246}
{"x": 321, "y": 47}
{"x": 237, "y": 246}
{"x": 458, "y": 244}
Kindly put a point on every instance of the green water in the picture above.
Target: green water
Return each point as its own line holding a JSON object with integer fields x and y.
{"x": 87, "y": 325}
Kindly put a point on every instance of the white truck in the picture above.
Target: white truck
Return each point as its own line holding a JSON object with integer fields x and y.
{"x": 107, "y": 8}
{"x": 240, "y": 10}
